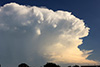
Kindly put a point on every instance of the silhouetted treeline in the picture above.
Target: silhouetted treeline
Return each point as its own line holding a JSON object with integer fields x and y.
{"x": 85, "y": 66}
{"x": 23, "y": 65}
{"x": 55, "y": 65}
{"x": 51, "y": 65}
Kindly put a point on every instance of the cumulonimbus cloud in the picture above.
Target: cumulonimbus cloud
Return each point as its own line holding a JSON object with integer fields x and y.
{"x": 29, "y": 32}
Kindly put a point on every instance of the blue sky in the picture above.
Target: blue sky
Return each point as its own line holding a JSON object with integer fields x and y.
{"x": 88, "y": 10}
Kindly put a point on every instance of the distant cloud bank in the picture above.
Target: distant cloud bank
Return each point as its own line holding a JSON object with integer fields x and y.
{"x": 32, "y": 34}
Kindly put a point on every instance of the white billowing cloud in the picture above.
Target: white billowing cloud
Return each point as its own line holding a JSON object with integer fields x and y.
{"x": 30, "y": 33}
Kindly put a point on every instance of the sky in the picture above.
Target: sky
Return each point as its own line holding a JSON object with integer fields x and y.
{"x": 40, "y": 31}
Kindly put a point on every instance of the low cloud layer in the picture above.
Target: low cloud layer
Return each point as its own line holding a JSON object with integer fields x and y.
{"x": 32, "y": 34}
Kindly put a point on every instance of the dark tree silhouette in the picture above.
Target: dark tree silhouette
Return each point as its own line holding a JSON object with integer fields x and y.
{"x": 69, "y": 66}
{"x": 76, "y": 66}
{"x": 23, "y": 65}
{"x": 51, "y": 65}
